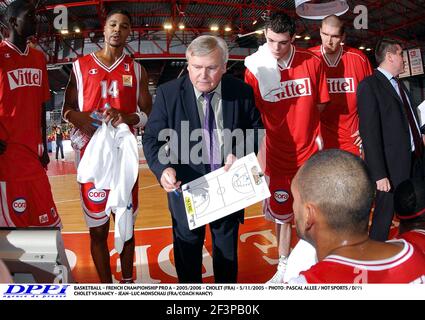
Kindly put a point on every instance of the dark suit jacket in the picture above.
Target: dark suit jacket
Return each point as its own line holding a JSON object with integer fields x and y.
{"x": 384, "y": 129}
{"x": 175, "y": 102}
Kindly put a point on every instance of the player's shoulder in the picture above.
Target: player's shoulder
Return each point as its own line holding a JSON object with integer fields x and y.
{"x": 307, "y": 55}
{"x": 316, "y": 50}
{"x": 85, "y": 59}
{"x": 34, "y": 52}
{"x": 355, "y": 53}
{"x": 3, "y": 45}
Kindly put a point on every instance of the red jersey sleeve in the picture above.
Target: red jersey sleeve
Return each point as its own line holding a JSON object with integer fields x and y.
{"x": 252, "y": 81}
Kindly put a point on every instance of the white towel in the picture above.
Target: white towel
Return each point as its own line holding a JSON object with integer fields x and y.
{"x": 302, "y": 258}
{"x": 111, "y": 161}
{"x": 265, "y": 68}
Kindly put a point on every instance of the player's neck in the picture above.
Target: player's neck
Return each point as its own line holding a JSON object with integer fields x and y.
{"x": 109, "y": 54}
{"x": 333, "y": 56}
{"x": 338, "y": 244}
{"x": 18, "y": 41}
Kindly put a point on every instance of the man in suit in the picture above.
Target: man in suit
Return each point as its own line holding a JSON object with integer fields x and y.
{"x": 393, "y": 145}
{"x": 184, "y": 107}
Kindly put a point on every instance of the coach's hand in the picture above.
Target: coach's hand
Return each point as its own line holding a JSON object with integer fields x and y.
{"x": 383, "y": 185}
{"x": 84, "y": 122}
{"x": 169, "y": 181}
{"x": 2, "y": 146}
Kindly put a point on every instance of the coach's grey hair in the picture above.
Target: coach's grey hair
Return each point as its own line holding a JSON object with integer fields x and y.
{"x": 204, "y": 45}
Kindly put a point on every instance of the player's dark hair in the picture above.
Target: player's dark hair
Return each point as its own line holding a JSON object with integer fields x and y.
{"x": 339, "y": 184}
{"x": 383, "y": 46}
{"x": 280, "y": 23}
{"x": 15, "y": 8}
{"x": 119, "y": 11}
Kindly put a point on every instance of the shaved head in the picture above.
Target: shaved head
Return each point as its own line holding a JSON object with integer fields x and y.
{"x": 334, "y": 21}
{"x": 339, "y": 185}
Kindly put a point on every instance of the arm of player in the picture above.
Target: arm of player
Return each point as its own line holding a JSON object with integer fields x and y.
{"x": 44, "y": 158}
{"x": 72, "y": 114}
{"x": 2, "y": 146}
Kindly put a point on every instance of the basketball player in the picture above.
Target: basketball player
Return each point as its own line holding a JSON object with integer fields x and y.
{"x": 289, "y": 99}
{"x": 345, "y": 67}
{"x": 26, "y": 197}
{"x": 109, "y": 81}
{"x": 333, "y": 193}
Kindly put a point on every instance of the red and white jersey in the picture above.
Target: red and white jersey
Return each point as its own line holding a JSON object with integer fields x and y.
{"x": 408, "y": 266}
{"x": 339, "y": 119}
{"x": 24, "y": 88}
{"x": 415, "y": 237}
{"x": 292, "y": 122}
{"x": 98, "y": 84}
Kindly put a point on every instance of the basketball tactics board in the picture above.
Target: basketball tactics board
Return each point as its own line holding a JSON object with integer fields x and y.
{"x": 221, "y": 193}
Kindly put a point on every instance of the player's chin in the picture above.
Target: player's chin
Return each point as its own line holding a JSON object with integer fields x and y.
{"x": 116, "y": 44}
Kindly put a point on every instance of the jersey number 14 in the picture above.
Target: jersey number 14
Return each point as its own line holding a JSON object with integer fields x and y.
{"x": 112, "y": 90}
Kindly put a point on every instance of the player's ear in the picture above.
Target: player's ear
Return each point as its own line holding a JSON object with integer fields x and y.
{"x": 311, "y": 211}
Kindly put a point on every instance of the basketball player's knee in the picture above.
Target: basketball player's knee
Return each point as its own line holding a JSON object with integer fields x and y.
{"x": 99, "y": 234}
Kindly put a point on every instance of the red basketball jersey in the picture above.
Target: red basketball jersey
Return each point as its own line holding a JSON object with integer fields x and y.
{"x": 117, "y": 85}
{"x": 292, "y": 123}
{"x": 24, "y": 88}
{"x": 408, "y": 266}
{"x": 339, "y": 120}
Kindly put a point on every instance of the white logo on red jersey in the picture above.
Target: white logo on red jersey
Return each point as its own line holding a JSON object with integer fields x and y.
{"x": 7, "y": 55}
{"x": 341, "y": 85}
{"x": 24, "y": 77}
{"x": 126, "y": 67}
{"x": 96, "y": 195}
{"x": 19, "y": 205}
{"x": 294, "y": 88}
{"x": 93, "y": 71}
{"x": 281, "y": 196}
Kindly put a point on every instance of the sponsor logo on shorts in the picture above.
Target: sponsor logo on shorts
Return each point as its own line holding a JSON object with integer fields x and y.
{"x": 19, "y": 205}
{"x": 44, "y": 218}
{"x": 281, "y": 196}
{"x": 96, "y": 195}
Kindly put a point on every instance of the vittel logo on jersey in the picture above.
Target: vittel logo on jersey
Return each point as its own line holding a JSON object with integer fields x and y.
{"x": 25, "y": 77}
{"x": 96, "y": 195}
{"x": 19, "y": 205}
{"x": 281, "y": 196}
{"x": 294, "y": 88}
{"x": 341, "y": 85}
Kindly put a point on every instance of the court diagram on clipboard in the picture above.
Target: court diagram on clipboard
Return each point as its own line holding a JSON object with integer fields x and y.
{"x": 221, "y": 193}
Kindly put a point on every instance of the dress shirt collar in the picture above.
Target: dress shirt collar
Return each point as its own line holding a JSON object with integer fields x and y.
{"x": 217, "y": 91}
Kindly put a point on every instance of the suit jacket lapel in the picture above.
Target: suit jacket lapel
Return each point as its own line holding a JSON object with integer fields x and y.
{"x": 227, "y": 103}
{"x": 387, "y": 84}
{"x": 188, "y": 99}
